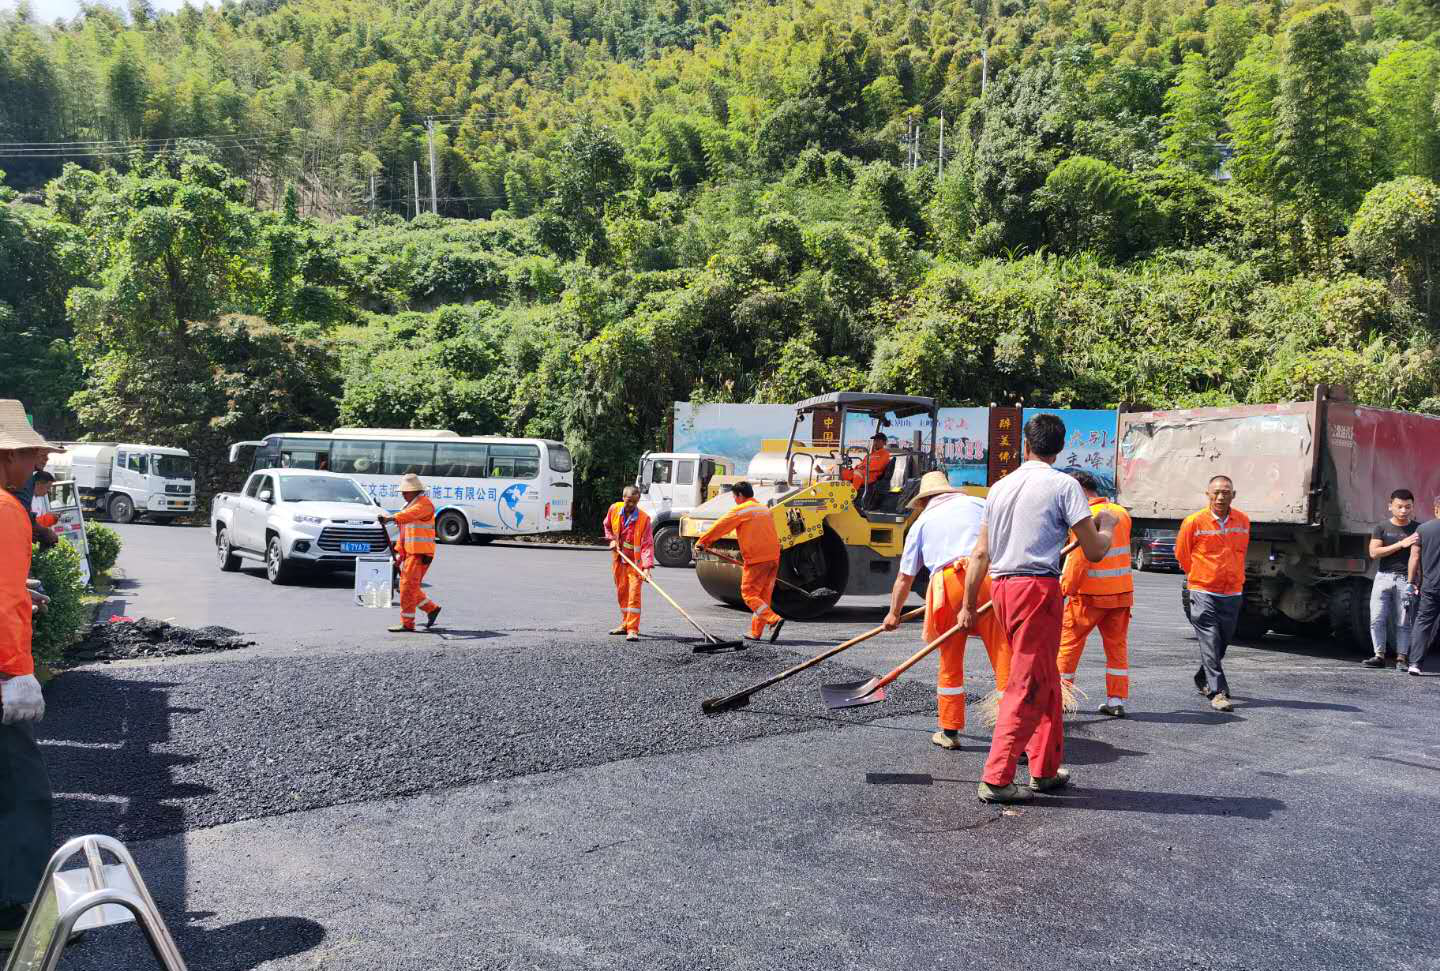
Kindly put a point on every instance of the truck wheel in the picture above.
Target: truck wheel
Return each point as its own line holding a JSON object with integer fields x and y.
{"x": 1350, "y": 615}
{"x": 122, "y": 510}
{"x": 671, "y": 549}
{"x": 1141, "y": 559}
{"x": 224, "y": 555}
{"x": 451, "y": 527}
{"x": 1251, "y": 628}
{"x": 278, "y": 570}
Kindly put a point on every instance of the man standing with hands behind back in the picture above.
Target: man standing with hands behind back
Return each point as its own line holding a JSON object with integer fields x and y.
{"x": 1028, "y": 516}
{"x": 1211, "y": 549}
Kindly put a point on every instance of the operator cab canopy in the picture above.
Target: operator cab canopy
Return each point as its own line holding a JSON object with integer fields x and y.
{"x": 864, "y": 402}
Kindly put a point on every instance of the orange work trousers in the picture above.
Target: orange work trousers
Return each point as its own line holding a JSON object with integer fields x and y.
{"x": 757, "y": 588}
{"x": 942, "y": 604}
{"x": 628, "y": 583}
{"x": 412, "y": 571}
{"x": 1082, "y": 615}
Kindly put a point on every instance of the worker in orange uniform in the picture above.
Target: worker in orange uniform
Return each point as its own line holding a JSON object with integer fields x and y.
{"x": 874, "y": 467}
{"x": 25, "y": 796}
{"x": 1100, "y": 595}
{"x": 628, "y": 529}
{"x": 1211, "y": 549}
{"x": 416, "y": 551}
{"x": 754, "y": 528}
{"x": 941, "y": 539}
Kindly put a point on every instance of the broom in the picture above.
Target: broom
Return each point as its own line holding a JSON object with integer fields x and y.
{"x": 988, "y": 709}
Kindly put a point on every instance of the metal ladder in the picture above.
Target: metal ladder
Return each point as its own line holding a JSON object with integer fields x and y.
{"x": 96, "y": 895}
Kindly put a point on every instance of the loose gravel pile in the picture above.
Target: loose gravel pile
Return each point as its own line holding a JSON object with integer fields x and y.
{"x": 145, "y": 751}
{"x": 146, "y": 638}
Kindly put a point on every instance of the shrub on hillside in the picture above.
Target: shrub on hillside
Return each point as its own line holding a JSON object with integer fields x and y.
{"x": 58, "y": 568}
{"x": 104, "y": 546}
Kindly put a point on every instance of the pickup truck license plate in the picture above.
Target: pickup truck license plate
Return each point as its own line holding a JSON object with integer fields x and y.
{"x": 354, "y": 547}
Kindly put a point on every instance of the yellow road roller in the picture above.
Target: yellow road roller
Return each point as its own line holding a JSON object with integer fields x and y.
{"x": 832, "y": 536}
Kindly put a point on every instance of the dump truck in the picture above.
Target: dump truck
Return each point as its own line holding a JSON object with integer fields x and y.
{"x": 124, "y": 480}
{"x": 671, "y": 484}
{"x": 1313, "y": 476}
{"x": 832, "y": 536}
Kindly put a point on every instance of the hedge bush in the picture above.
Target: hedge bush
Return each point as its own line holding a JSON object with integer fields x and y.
{"x": 104, "y": 546}
{"x": 58, "y": 568}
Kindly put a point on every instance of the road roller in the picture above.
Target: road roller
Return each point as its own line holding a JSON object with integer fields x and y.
{"x": 833, "y": 537}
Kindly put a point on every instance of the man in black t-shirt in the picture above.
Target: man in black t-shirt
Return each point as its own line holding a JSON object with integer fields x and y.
{"x": 1425, "y": 571}
{"x": 1390, "y": 544}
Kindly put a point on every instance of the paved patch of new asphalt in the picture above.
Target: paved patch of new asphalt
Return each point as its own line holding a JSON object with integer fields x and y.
{"x": 522, "y": 791}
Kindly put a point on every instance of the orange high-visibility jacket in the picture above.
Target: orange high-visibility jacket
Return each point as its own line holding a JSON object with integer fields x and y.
{"x": 873, "y": 468}
{"x": 1111, "y": 576}
{"x": 637, "y": 540}
{"x": 417, "y": 528}
{"x": 15, "y": 658}
{"x": 1213, "y": 555}
{"x": 754, "y": 527}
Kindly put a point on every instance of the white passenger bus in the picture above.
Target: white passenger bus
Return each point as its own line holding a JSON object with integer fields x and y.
{"x": 483, "y": 487}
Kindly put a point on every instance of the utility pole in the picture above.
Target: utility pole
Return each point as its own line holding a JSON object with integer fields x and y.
{"x": 430, "y": 127}
{"x": 415, "y": 167}
{"x": 984, "y": 69}
{"x": 372, "y": 192}
{"x": 940, "y": 173}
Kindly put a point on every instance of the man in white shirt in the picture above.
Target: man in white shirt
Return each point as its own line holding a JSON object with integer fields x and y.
{"x": 1028, "y": 516}
{"x": 941, "y": 540}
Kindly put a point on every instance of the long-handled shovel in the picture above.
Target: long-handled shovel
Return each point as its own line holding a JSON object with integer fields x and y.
{"x": 815, "y": 594}
{"x": 712, "y": 643}
{"x": 742, "y": 697}
{"x": 869, "y": 692}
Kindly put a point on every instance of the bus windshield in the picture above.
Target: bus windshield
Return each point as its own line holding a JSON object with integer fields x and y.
{"x": 560, "y": 460}
{"x": 320, "y": 488}
{"x": 174, "y": 466}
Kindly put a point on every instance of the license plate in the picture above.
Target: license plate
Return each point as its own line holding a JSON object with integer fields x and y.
{"x": 354, "y": 547}
{"x": 177, "y": 505}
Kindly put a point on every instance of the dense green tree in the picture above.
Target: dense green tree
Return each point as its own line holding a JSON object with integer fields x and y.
{"x": 1403, "y": 88}
{"x": 1193, "y": 119}
{"x": 1396, "y": 236}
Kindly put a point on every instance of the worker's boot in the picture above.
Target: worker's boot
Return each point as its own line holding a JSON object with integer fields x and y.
{"x": 1402, "y": 661}
{"x": 632, "y": 636}
{"x": 1002, "y": 794}
{"x": 775, "y": 631}
{"x": 1221, "y": 702}
{"x": 1050, "y": 783}
{"x": 1113, "y": 709}
{"x": 618, "y": 631}
{"x": 947, "y": 738}
{"x": 1200, "y": 683}
{"x": 430, "y": 616}
{"x": 401, "y": 629}
{"x": 1374, "y": 661}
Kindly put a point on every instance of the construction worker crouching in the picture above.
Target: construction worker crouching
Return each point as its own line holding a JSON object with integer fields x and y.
{"x": 754, "y": 528}
{"x": 942, "y": 539}
{"x": 874, "y": 467}
{"x": 415, "y": 551}
{"x": 1100, "y": 595}
{"x": 628, "y": 529}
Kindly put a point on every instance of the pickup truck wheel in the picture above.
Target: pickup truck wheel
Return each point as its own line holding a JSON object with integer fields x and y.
{"x": 122, "y": 510}
{"x": 452, "y": 528}
{"x": 1141, "y": 560}
{"x": 671, "y": 549}
{"x": 224, "y": 555}
{"x": 278, "y": 570}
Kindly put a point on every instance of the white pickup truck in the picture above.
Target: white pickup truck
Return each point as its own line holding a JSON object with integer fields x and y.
{"x": 291, "y": 518}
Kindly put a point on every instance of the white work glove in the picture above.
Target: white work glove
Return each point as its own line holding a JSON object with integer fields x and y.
{"x": 22, "y": 699}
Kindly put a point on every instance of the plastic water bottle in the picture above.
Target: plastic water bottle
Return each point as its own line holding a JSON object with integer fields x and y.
{"x": 370, "y": 595}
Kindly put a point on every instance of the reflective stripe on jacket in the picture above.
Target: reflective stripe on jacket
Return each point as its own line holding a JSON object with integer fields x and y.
{"x": 15, "y": 627}
{"x": 1111, "y": 576}
{"x": 754, "y": 528}
{"x": 417, "y": 528}
{"x": 1213, "y": 555}
{"x": 636, "y": 541}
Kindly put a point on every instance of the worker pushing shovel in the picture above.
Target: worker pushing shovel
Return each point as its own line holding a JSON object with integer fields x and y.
{"x": 632, "y": 541}
{"x": 754, "y": 528}
{"x": 415, "y": 551}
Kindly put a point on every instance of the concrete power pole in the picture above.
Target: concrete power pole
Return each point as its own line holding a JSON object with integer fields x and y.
{"x": 415, "y": 169}
{"x": 430, "y": 127}
{"x": 984, "y": 69}
{"x": 940, "y": 169}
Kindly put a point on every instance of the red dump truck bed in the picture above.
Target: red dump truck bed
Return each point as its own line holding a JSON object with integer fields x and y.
{"x": 1327, "y": 463}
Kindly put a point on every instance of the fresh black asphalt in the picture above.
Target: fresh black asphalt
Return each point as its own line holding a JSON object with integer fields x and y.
{"x": 522, "y": 796}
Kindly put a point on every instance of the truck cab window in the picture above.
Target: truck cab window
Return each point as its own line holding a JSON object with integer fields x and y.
{"x": 663, "y": 473}
{"x": 684, "y": 473}
{"x": 136, "y": 463}
{"x": 252, "y": 488}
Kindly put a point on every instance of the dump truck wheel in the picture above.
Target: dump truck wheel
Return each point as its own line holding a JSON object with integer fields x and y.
{"x": 671, "y": 549}
{"x": 1350, "y": 615}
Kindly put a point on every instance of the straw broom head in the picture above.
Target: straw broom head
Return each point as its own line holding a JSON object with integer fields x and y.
{"x": 1070, "y": 697}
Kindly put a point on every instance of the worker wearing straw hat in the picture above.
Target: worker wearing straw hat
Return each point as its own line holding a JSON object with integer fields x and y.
{"x": 941, "y": 539}
{"x": 25, "y": 800}
{"x": 416, "y": 551}
{"x": 628, "y": 530}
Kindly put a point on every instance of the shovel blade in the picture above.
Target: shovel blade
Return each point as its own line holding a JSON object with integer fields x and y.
{"x": 852, "y": 694}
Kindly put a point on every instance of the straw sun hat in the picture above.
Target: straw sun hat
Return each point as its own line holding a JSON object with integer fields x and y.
{"x": 410, "y": 482}
{"x": 15, "y": 430}
{"x": 932, "y": 484}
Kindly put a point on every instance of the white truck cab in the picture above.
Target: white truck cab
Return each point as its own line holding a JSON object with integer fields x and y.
{"x": 671, "y": 484}
{"x": 128, "y": 480}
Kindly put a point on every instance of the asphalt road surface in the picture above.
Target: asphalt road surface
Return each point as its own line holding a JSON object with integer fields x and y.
{"x": 519, "y": 790}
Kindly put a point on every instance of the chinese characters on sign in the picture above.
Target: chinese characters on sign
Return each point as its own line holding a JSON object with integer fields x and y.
{"x": 1005, "y": 447}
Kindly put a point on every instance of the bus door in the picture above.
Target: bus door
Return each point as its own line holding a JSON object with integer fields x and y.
{"x": 559, "y": 486}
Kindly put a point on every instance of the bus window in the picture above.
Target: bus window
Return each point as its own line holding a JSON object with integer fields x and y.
{"x": 402, "y": 457}
{"x": 462, "y": 460}
{"x": 514, "y": 461}
{"x": 304, "y": 453}
{"x": 560, "y": 460}
{"x": 356, "y": 457}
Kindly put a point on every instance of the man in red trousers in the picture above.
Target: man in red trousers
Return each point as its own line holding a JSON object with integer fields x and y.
{"x": 1028, "y": 516}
